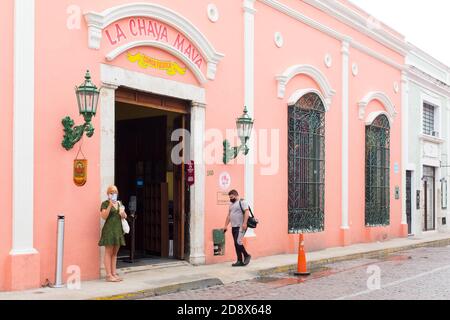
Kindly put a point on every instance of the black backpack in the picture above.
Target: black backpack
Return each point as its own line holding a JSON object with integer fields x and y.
{"x": 252, "y": 222}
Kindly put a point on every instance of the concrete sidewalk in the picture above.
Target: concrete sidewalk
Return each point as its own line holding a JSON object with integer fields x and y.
{"x": 181, "y": 276}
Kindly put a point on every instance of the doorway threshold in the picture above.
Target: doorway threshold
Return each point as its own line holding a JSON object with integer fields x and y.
{"x": 147, "y": 264}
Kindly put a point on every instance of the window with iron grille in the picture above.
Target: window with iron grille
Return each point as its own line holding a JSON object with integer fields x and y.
{"x": 428, "y": 119}
{"x": 378, "y": 172}
{"x": 306, "y": 165}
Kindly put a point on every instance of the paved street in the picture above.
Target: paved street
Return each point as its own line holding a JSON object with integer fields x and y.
{"x": 422, "y": 273}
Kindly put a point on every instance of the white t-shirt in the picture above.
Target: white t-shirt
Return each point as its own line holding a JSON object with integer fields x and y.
{"x": 236, "y": 214}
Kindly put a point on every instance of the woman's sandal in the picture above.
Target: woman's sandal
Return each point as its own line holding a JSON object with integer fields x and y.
{"x": 112, "y": 279}
{"x": 118, "y": 278}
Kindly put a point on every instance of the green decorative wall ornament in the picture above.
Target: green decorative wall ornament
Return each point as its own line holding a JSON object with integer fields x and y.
{"x": 87, "y": 98}
{"x": 244, "y": 126}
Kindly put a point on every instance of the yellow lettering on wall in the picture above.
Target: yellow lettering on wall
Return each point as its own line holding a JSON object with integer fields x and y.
{"x": 145, "y": 62}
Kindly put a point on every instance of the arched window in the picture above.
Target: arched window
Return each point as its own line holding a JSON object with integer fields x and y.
{"x": 378, "y": 172}
{"x": 306, "y": 165}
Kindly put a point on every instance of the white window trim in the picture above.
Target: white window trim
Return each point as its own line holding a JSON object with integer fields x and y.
{"x": 384, "y": 99}
{"x": 313, "y": 73}
{"x": 436, "y": 103}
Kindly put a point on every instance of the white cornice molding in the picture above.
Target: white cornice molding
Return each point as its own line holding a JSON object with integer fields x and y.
{"x": 97, "y": 22}
{"x": 427, "y": 81}
{"x": 383, "y": 99}
{"x": 306, "y": 20}
{"x": 331, "y": 32}
{"x": 355, "y": 20}
{"x": 312, "y": 72}
{"x": 163, "y": 46}
{"x": 421, "y": 54}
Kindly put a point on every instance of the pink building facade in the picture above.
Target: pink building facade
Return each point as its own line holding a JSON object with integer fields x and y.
{"x": 195, "y": 65}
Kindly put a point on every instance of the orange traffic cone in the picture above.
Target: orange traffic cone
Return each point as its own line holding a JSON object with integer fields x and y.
{"x": 302, "y": 269}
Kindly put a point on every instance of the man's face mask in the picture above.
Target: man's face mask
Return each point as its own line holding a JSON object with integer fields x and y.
{"x": 233, "y": 200}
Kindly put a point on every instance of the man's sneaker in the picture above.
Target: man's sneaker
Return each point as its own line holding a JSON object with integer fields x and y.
{"x": 238, "y": 264}
{"x": 247, "y": 260}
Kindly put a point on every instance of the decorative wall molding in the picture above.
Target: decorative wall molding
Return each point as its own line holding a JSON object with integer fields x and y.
{"x": 115, "y": 76}
{"x": 312, "y": 72}
{"x": 97, "y": 22}
{"x": 383, "y": 99}
{"x": 427, "y": 81}
{"x": 278, "y": 38}
{"x": 163, "y": 46}
{"x": 360, "y": 23}
{"x": 328, "y": 60}
{"x": 355, "y": 69}
{"x": 213, "y": 12}
{"x": 293, "y": 99}
{"x": 331, "y": 32}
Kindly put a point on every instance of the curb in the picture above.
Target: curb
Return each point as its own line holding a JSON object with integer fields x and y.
{"x": 174, "y": 288}
{"x": 369, "y": 254}
{"x": 312, "y": 265}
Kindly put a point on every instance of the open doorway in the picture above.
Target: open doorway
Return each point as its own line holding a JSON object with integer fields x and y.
{"x": 148, "y": 181}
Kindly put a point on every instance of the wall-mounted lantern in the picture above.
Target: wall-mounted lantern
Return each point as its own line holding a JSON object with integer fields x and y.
{"x": 87, "y": 98}
{"x": 244, "y": 126}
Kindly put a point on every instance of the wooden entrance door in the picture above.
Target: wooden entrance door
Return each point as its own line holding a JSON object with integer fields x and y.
{"x": 141, "y": 164}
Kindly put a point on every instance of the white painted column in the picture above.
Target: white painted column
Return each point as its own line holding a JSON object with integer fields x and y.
{"x": 345, "y": 134}
{"x": 197, "y": 219}
{"x": 23, "y": 128}
{"x": 405, "y": 143}
{"x": 107, "y": 138}
{"x": 249, "y": 85}
{"x": 107, "y": 148}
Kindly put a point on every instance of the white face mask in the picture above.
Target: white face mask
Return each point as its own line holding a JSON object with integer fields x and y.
{"x": 113, "y": 197}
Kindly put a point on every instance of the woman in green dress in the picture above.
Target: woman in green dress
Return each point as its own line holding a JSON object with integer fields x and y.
{"x": 112, "y": 237}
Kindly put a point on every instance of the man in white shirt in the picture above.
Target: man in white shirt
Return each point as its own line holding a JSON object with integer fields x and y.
{"x": 238, "y": 217}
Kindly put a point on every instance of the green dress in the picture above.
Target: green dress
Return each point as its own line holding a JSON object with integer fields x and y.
{"x": 112, "y": 232}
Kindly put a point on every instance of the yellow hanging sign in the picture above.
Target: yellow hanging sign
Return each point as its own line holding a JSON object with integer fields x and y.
{"x": 80, "y": 172}
{"x": 145, "y": 62}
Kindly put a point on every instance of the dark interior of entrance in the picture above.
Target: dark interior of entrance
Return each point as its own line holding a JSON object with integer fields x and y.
{"x": 151, "y": 186}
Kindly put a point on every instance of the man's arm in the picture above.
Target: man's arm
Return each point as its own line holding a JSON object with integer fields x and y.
{"x": 246, "y": 216}
{"x": 227, "y": 222}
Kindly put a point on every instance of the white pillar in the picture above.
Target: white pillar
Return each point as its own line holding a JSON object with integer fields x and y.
{"x": 405, "y": 142}
{"x": 197, "y": 219}
{"x": 107, "y": 147}
{"x": 107, "y": 139}
{"x": 345, "y": 134}
{"x": 23, "y": 128}
{"x": 249, "y": 73}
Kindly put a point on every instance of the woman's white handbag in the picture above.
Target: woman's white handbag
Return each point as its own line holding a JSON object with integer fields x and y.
{"x": 125, "y": 226}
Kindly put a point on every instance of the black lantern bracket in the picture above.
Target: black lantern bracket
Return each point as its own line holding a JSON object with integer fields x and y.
{"x": 244, "y": 126}
{"x": 87, "y": 98}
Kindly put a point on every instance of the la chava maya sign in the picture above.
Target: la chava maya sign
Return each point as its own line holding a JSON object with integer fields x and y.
{"x": 135, "y": 29}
